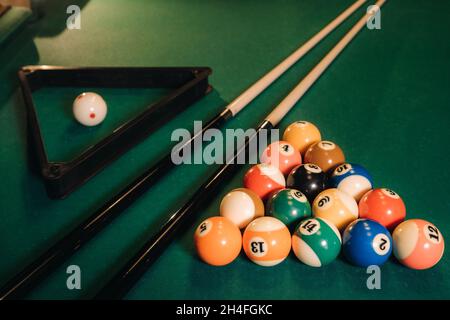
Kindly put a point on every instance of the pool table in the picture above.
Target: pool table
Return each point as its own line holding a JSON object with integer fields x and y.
{"x": 385, "y": 100}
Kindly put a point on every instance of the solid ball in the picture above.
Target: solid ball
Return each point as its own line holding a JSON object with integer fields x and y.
{"x": 289, "y": 206}
{"x": 325, "y": 154}
{"x": 266, "y": 241}
{"x": 263, "y": 179}
{"x": 316, "y": 242}
{"x": 351, "y": 178}
{"x": 282, "y": 155}
{"x": 308, "y": 178}
{"x": 336, "y": 207}
{"x": 418, "y": 244}
{"x": 218, "y": 241}
{"x": 383, "y": 205}
{"x": 241, "y": 206}
{"x": 89, "y": 109}
{"x": 366, "y": 243}
{"x": 302, "y": 134}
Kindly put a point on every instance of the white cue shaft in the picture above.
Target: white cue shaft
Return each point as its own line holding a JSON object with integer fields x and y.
{"x": 248, "y": 95}
{"x": 280, "y": 111}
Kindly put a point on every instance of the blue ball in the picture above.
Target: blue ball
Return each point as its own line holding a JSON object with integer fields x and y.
{"x": 352, "y": 179}
{"x": 366, "y": 242}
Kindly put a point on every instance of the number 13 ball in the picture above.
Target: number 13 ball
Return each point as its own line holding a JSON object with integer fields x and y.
{"x": 418, "y": 244}
{"x": 366, "y": 243}
{"x": 266, "y": 241}
{"x": 316, "y": 242}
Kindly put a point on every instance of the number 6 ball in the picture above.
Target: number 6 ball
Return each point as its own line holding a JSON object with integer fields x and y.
{"x": 366, "y": 243}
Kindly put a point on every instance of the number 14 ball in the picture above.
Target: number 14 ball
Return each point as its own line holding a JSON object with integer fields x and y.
{"x": 89, "y": 109}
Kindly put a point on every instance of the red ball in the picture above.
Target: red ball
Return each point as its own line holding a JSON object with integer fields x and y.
{"x": 264, "y": 179}
{"x": 384, "y": 206}
{"x": 282, "y": 155}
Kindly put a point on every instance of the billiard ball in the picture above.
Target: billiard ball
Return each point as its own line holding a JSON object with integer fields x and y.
{"x": 383, "y": 205}
{"x": 218, "y": 241}
{"x": 289, "y": 206}
{"x": 89, "y": 109}
{"x": 282, "y": 155}
{"x": 308, "y": 178}
{"x": 325, "y": 154}
{"x": 336, "y": 207}
{"x": 266, "y": 241}
{"x": 351, "y": 178}
{"x": 241, "y": 206}
{"x": 316, "y": 242}
{"x": 418, "y": 244}
{"x": 263, "y": 179}
{"x": 302, "y": 134}
{"x": 366, "y": 243}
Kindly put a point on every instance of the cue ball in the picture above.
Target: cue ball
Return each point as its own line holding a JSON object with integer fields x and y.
{"x": 308, "y": 178}
{"x": 336, "y": 207}
{"x": 282, "y": 155}
{"x": 316, "y": 242}
{"x": 241, "y": 206}
{"x": 384, "y": 206}
{"x": 351, "y": 178}
{"x": 263, "y": 179}
{"x": 89, "y": 109}
{"x": 218, "y": 241}
{"x": 418, "y": 244}
{"x": 266, "y": 241}
{"x": 366, "y": 243}
{"x": 325, "y": 154}
{"x": 289, "y": 206}
{"x": 302, "y": 134}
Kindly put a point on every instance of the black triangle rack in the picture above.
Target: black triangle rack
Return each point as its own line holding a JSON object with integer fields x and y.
{"x": 61, "y": 178}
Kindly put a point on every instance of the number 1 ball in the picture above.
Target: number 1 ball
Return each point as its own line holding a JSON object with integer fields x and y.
{"x": 418, "y": 244}
{"x": 366, "y": 243}
{"x": 89, "y": 109}
{"x": 218, "y": 241}
{"x": 241, "y": 206}
{"x": 308, "y": 178}
{"x": 316, "y": 242}
{"x": 282, "y": 155}
{"x": 289, "y": 206}
{"x": 264, "y": 179}
{"x": 266, "y": 241}
{"x": 301, "y": 135}
{"x": 383, "y": 205}
{"x": 325, "y": 154}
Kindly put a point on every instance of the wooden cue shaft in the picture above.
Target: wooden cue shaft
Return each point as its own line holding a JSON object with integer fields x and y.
{"x": 129, "y": 274}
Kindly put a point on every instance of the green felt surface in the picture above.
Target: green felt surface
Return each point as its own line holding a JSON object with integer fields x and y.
{"x": 385, "y": 101}
{"x": 11, "y": 20}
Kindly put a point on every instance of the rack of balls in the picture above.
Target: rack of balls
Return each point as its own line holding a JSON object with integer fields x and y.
{"x": 306, "y": 198}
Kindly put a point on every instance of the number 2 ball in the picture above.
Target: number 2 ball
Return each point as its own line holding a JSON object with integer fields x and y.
{"x": 266, "y": 241}
{"x": 316, "y": 242}
{"x": 89, "y": 109}
{"x": 352, "y": 179}
{"x": 282, "y": 155}
{"x": 366, "y": 243}
{"x": 289, "y": 206}
{"x": 263, "y": 179}
{"x": 418, "y": 244}
{"x": 218, "y": 241}
{"x": 383, "y": 205}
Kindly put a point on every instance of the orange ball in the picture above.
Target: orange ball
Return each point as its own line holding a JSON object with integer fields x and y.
{"x": 325, "y": 154}
{"x": 218, "y": 241}
{"x": 302, "y": 134}
{"x": 266, "y": 241}
{"x": 418, "y": 244}
{"x": 384, "y": 206}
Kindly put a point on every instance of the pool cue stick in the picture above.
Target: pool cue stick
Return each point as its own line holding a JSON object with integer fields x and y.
{"x": 40, "y": 268}
{"x": 124, "y": 280}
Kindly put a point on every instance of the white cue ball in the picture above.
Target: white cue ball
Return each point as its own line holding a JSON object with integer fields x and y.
{"x": 89, "y": 109}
